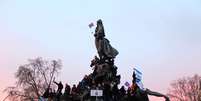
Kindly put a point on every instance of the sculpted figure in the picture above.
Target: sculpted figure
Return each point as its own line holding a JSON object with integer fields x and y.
{"x": 105, "y": 50}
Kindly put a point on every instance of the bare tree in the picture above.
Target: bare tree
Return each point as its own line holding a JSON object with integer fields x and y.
{"x": 33, "y": 79}
{"x": 186, "y": 89}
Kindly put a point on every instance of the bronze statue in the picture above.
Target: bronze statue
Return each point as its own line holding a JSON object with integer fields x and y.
{"x": 104, "y": 49}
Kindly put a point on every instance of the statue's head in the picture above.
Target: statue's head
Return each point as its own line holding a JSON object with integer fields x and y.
{"x": 99, "y": 29}
{"x": 99, "y": 22}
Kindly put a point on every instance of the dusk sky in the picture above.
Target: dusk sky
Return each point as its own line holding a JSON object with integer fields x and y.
{"x": 162, "y": 37}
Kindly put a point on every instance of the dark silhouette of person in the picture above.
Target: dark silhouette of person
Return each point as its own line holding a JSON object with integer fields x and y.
{"x": 60, "y": 86}
{"x": 122, "y": 91}
{"x": 128, "y": 94}
{"x": 67, "y": 89}
{"x": 115, "y": 92}
{"x": 74, "y": 89}
{"x": 46, "y": 93}
{"x": 59, "y": 90}
{"x": 67, "y": 92}
{"x": 74, "y": 93}
{"x": 107, "y": 94}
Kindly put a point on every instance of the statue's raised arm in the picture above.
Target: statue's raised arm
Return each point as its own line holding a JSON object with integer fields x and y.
{"x": 104, "y": 49}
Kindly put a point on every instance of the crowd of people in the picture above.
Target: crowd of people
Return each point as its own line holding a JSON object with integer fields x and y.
{"x": 81, "y": 92}
{"x": 76, "y": 93}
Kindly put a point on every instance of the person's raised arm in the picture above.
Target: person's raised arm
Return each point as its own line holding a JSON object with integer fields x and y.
{"x": 56, "y": 82}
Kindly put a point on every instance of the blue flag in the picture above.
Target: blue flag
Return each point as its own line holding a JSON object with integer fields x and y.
{"x": 138, "y": 76}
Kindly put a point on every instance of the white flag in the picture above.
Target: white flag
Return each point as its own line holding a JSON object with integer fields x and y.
{"x": 91, "y": 25}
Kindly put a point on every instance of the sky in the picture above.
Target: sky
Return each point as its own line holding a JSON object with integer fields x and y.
{"x": 161, "y": 37}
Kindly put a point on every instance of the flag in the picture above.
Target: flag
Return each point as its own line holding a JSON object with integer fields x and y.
{"x": 138, "y": 76}
{"x": 127, "y": 84}
{"x": 91, "y": 25}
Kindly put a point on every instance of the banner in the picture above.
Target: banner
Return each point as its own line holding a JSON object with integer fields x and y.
{"x": 96, "y": 93}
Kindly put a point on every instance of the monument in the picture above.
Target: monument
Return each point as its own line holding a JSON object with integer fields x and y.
{"x": 102, "y": 83}
{"x": 104, "y": 77}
